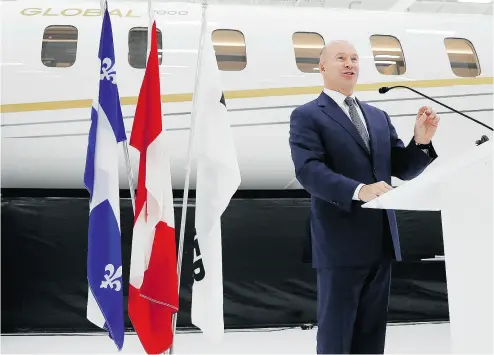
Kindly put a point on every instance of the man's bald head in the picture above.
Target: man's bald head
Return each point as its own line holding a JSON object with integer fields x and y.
{"x": 339, "y": 66}
{"x": 334, "y": 45}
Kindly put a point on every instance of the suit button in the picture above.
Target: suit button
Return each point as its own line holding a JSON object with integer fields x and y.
{"x": 374, "y": 170}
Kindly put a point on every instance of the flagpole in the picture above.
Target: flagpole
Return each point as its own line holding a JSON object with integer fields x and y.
{"x": 150, "y": 27}
{"x": 148, "y": 48}
{"x": 189, "y": 160}
{"x": 130, "y": 176}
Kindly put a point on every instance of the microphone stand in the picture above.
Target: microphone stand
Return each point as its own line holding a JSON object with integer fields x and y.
{"x": 483, "y": 139}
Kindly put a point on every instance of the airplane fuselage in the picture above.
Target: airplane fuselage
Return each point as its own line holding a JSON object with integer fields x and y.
{"x": 46, "y": 100}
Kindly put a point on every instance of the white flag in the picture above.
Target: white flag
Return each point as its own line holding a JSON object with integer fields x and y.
{"x": 218, "y": 177}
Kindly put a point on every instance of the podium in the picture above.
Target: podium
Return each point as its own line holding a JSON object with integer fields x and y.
{"x": 462, "y": 189}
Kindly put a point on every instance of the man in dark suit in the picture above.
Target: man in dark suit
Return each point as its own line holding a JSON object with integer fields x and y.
{"x": 344, "y": 153}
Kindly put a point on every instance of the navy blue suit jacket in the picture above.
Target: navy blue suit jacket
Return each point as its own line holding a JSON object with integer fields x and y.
{"x": 330, "y": 161}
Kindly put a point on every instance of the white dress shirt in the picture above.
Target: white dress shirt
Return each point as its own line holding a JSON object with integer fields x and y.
{"x": 339, "y": 98}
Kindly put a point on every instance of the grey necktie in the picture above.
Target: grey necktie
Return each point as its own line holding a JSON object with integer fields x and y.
{"x": 357, "y": 121}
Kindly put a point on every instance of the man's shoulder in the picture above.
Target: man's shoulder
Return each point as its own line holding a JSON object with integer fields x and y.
{"x": 307, "y": 108}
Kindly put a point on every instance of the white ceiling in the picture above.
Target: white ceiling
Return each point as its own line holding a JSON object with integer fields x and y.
{"x": 430, "y": 6}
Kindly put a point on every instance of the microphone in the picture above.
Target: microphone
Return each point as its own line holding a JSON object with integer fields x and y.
{"x": 385, "y": 89}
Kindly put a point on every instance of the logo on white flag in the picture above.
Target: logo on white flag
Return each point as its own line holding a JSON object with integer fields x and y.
{"x": 198, "y": 265}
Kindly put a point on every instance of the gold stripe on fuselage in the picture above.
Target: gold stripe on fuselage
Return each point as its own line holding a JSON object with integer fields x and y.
{"x": 243, "y": 94}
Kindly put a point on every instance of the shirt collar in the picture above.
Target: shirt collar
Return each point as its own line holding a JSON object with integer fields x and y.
{"x": 338, "y": 97}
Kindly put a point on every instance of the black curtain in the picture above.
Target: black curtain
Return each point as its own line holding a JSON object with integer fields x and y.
{"x": 267, "y": 278}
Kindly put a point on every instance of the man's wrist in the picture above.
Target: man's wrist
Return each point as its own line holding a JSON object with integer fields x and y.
{"x": 421, "y": 145}
{"x": 356, "y": 194}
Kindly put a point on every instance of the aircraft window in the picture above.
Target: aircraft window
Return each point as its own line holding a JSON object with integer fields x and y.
{"x": 462, "y": 57}
{"x": 388, "y": 55}
{"x": 307, "y": 47}
{"x": 229, "y": 46}
{"x": 59, "y": 47}
{"x": 138, "y": 41}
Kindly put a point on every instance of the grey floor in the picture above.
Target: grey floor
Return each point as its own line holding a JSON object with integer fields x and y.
{"x": 430, "y": 338}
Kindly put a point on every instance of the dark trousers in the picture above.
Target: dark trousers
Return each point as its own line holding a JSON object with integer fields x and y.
{"x": 353, "y": 306}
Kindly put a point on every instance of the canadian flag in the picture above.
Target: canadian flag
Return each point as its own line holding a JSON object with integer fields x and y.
{"x": 153, "y": 283}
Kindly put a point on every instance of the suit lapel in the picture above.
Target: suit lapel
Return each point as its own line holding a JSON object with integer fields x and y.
{"x": 334, "y": 111}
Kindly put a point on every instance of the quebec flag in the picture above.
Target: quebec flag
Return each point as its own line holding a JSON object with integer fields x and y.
{"x": 104, "y": 260}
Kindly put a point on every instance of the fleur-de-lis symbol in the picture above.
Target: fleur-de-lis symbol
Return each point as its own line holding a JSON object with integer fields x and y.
{"x": 111, "y": 278}
{"x": 108, "y": 71}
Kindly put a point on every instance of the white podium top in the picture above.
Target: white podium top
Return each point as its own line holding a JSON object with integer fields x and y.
{"x": 424, "y": 193}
